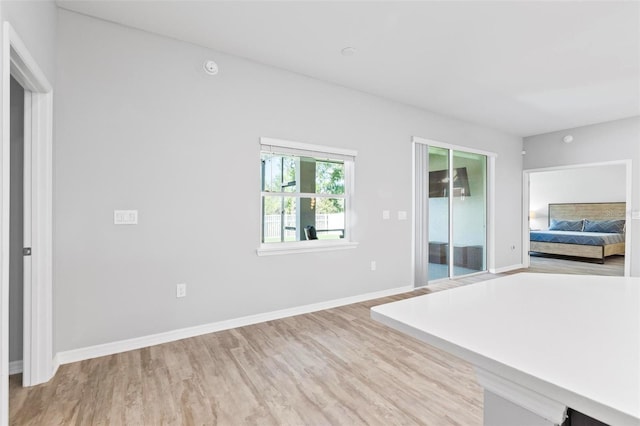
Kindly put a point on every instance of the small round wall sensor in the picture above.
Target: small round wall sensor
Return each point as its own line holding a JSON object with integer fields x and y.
{"x": 348, "y": 51}
{"x": 567, "y": 139}
{"x": 211, "y": 67}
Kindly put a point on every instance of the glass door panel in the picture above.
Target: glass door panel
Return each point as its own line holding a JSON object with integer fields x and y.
{"x": 438, "y": 266}
{"x": 469, "y": 211}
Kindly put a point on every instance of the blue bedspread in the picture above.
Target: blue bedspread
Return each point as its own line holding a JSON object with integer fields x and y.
{"x": 572, "y": 237}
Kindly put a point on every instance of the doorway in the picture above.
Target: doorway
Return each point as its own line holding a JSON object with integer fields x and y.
{"x": 594, "y": 183}
{"x": 38, "y": 363}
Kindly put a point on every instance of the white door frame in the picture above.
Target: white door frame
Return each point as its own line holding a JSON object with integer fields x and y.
{"x": 526, "y": 196}
{"x": 38, "y": 364}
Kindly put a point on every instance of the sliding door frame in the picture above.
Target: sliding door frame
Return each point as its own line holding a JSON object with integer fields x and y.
{"x": 420, "y": 228}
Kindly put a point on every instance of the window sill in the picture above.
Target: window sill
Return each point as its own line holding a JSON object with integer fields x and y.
{"x": 304, "y": 247}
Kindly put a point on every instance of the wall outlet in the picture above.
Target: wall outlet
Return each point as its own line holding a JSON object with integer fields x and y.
{"x": 181, "y": 290}
{"x": 402, "y": 215}
{"x": 373, "y": 265}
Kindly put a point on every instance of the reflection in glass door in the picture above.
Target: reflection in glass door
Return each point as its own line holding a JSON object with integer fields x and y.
{"x": 457, "y": 209}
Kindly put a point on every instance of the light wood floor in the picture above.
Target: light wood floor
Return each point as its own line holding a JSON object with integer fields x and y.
{"x": 333, "y": 367}
{"x": 613, "y": 266}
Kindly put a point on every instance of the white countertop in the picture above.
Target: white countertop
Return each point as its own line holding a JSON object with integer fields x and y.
{"x": 572, "y": 338}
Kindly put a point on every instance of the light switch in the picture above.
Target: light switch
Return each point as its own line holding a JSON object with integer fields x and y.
{"x": 385, "y": 214}
{"x": 635, "y": 215}
{"x": 125, "y": 217}
{"x": 402, "y": 215}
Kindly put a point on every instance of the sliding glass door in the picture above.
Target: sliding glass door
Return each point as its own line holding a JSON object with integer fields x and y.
{"x": 469, "y": 213}
{"x": 451, "y": 213}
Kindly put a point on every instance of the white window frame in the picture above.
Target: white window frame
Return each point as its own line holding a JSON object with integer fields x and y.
{"x": 348, "y": 156}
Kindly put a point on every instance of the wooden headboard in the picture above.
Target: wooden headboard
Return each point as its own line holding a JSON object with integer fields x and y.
{"x": 591, "y": 211}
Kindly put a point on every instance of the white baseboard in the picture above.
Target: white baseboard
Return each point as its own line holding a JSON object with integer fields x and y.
{"x": 96, "y": 351}
{"x": 506, "y": 268}
{"x": 55, "y": 364}
{"x": 15, "y": 367}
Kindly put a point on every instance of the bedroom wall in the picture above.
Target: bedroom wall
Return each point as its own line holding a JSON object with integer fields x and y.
{"x": 610, "y": 141}
{"x": 601, "y": 184}
{"x": 139, "y": 125}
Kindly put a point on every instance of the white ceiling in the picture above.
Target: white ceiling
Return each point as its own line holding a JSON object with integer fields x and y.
{"x": 525, "y": 67}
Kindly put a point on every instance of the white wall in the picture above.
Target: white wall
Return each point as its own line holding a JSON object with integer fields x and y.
{"x": 611, "y": 141}
{"x": 140, "y": 126}
{"x": 35, "y": 21}
{"x": 601, "y": 184}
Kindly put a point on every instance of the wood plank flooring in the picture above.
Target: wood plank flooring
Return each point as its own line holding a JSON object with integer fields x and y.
{"x": 332, "y": 367}
{"x": 613, "y": 266}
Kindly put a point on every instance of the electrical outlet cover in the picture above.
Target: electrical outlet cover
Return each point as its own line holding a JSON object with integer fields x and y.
{"x": 181, "y": 290}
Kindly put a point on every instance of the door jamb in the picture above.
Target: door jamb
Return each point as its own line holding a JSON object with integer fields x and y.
{"x": 38, "y": 304}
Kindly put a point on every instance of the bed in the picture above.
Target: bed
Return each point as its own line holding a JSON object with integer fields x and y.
{"x": 587, "y": 230}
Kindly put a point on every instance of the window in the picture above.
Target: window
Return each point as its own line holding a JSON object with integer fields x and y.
{"x": 305, "y": 197}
